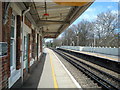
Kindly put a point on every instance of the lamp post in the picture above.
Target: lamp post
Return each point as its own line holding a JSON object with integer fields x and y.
{"x": 71, "y": 41}
{"x": 77, "y": 40}
{"x": 94, "y": 42}
{"x": 66, "y": 42}
{"x": 61, "y": 43}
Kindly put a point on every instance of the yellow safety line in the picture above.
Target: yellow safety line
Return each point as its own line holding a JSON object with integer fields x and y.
{"x": 53, "y": 73}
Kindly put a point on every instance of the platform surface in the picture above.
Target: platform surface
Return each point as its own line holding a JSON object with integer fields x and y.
{"x": 54, "y": 73}
{"x": 110, "y": 57}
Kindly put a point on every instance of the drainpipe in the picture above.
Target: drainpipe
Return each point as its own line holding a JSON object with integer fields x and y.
{"x": 5, "y": 16}
{"x": 22, "y": 62}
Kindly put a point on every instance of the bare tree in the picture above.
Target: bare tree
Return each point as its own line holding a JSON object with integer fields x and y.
{"x": 101, "y": 32}
{"x": 68, "y": 36}
{"x": 84, "y": 31}
{"x": 105, "y": 26}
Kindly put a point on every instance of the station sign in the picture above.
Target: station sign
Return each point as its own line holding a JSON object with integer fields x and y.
{"x": 3, "y": 49}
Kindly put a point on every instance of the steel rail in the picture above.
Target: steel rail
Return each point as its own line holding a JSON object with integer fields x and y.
{"x": 99, "y": 80}
{"x": 117, "y": 79}
{"x": 103, "y": 62}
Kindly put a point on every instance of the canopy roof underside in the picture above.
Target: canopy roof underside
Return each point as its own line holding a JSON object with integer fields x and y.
{"x": 51, "y": 18}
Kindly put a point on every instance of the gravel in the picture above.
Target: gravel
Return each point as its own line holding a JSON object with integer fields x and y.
{"x": 85, "y": 82}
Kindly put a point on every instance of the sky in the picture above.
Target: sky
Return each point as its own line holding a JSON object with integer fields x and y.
{"x": 96, "y": 8}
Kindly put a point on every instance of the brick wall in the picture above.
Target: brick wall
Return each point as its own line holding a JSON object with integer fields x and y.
{"x": 27, "y": 22}
{"x": 18, "y": 42}
{"x": 0, "y": 21}
{"x": 5, "y": 37}
{"x": 6, "y": 60}
{"x": 33, "y": 44}
{"x": 0, "y": 73}
{"x": 6, "y": 30}
{"x": 0, "y": 41}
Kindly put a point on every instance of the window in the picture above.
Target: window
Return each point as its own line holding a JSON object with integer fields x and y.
{"x": 13, "y": 42}
{"x": 3, "y": 49}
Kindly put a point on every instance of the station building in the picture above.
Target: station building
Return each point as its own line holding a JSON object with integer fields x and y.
{"x": 10, "y": 63}
{"x": 21, "y": 39}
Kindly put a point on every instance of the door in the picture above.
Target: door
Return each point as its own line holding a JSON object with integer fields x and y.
{"x": 26, "y": 39}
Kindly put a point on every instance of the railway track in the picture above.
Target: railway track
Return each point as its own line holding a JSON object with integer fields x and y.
{"x": 105, "y": 80}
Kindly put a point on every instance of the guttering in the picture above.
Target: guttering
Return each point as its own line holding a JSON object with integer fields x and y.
{"x": 22, "y": 62}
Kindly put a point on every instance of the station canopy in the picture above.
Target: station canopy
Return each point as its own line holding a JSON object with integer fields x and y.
{"x": 53, "y": 18}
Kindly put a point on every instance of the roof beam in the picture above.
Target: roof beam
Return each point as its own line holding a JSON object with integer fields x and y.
{"x": 52, "y": 21}
{"x": 52, "y": 7}
{"x": 49, "y": 37}
{"x": 51, "y": 32}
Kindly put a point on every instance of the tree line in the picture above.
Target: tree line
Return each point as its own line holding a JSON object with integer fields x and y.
{"x": 104, "y": 31}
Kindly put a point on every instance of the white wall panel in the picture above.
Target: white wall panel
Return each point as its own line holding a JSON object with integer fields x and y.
{"x": 103, "y": 50}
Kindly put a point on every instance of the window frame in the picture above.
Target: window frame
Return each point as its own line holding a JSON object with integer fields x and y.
{"x": 13, "y": 64}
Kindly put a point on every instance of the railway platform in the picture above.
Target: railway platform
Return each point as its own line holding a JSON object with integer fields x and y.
{"x": 53, "y": 75}
{"x": 100, "y": 55}
{"x": 107, "y": 61}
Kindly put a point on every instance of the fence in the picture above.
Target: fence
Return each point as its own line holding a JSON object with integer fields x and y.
{"x": 102, "y": 50}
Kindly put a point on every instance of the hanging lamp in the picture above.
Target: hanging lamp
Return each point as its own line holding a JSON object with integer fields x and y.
{"x": 46, "y": 14}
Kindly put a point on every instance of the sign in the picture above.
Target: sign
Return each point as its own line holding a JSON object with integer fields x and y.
{"x": 73, "y": 2}
{"x": 3, "y": 49}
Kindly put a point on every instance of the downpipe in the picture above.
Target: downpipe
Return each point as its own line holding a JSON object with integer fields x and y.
{"x": 22, "y": 62}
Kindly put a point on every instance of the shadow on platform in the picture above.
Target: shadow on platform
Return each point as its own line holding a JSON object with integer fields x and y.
{"x": 35, "y": 74}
